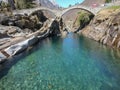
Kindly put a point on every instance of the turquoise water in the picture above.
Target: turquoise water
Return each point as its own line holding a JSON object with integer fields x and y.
{"x": 71, "y": 63}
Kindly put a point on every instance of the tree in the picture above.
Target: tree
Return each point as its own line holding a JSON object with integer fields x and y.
{"x": 108, "y": 1}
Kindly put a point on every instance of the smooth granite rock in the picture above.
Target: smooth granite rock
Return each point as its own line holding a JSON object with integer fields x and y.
{"x": 105, "y": 28}
{"x": 17, "y": 48}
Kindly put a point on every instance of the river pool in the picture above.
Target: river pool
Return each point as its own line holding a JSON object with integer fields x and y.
{"x": 71, "y": 63}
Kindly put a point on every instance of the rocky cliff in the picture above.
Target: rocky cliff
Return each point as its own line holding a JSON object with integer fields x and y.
{"x": 105, "y": 27}
{"x": 19, "y": 32}
{"x": 21, "y": 4}
{"x": 48, "y": 4}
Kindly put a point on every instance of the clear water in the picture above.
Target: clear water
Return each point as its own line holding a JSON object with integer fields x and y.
{"x": 71, "y": 63}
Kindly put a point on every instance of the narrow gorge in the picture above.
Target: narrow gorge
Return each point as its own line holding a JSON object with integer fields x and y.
{"x": 47, "y": 47}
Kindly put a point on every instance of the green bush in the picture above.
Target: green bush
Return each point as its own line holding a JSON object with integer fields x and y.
{"x": 22, "y": 4}
{"x": 84, "y": 18}
{"x": 108, "y": 1}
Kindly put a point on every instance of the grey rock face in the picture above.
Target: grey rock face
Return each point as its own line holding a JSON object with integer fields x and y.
{"x": 33, "y": 22}
{"x": 105, "y": 28}
{"x": 48, "y": 4}
{"x": 15, "y": 45}
{"x": 17, "y": 48}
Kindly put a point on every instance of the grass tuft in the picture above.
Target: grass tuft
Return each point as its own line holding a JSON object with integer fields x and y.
{"x": 114, "y": 7}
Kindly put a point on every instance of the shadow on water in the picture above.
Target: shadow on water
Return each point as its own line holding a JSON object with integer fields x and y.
{"x": 7, "y": 65}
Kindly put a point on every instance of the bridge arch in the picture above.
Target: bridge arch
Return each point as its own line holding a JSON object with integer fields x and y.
{"x": 43, "y": 9}
{"x": 71, "y": 16}
{"x": 46, "y": 12}
{"x": 90, "y": 10}
{"x": 32, "y": 10}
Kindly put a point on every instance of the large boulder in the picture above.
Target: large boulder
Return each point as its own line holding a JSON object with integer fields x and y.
{"x": 5, "y": 20}
{"x": 21, "y": 23}
{"x": 40, "y": 15}
{"x": 32, "y": 22}
{"x": 11, "y": 31}
{"x": 17, "y": 48}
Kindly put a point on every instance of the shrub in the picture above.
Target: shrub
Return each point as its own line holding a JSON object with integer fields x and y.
{"x": 108, "y": 1}
{"x": 84, "y": 18}
{"x": 114, "y": 7}
{"x": 22, "y": 4}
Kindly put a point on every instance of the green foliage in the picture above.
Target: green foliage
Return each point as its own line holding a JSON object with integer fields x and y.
{"x": 4, "y": 5}
{"x": 84, "y": 18}
{"x": 22, "y": 4}
{"x": 108, "y": 1}
{"x": 114, "y": 7}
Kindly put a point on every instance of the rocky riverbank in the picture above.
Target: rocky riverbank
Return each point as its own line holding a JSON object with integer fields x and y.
{"x": 19, "y": 32}
{"x": 105, "y": 27}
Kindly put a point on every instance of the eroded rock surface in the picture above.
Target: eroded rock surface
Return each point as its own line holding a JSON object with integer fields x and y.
{"x": 16, "y": 43}
{"x": 105, "y": 27}
{"x": 33, "y": 21}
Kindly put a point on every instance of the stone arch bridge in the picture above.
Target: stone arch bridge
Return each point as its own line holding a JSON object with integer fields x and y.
{"x": 30, "y": 11}
{"x": 60, "y": 13}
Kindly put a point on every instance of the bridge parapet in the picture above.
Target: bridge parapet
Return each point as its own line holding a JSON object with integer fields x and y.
{"x": 89, "y": 9}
